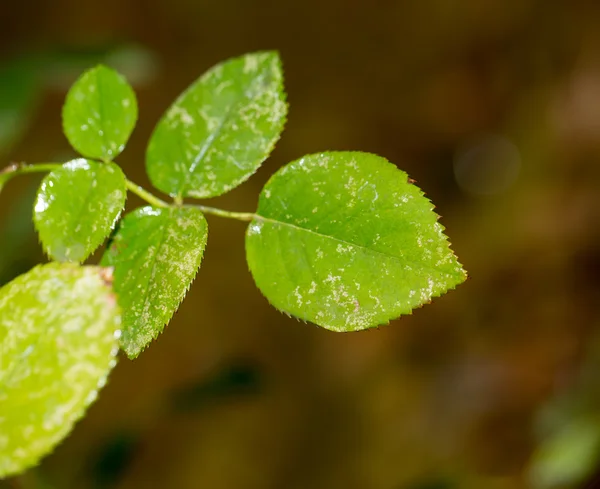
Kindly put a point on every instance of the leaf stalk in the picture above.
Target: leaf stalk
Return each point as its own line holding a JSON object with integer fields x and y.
{"x": 16, "y": 169}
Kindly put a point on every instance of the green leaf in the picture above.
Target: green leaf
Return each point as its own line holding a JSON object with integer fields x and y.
{"x": 156, "y": 254}
{"x": 77, "y": 206}
{"x": 58, "y": 330}
{"x": 100, "y": 113}
{"x": 345, "y": 241}
{"x": 221, "y": 129}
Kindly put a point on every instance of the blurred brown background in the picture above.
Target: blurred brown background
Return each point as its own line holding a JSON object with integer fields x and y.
{"x": 493, "y": 106}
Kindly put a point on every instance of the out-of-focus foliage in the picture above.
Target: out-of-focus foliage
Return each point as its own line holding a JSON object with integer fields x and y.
{"x": 567, "y": 456}
{"x": 19, "y": 243}
{"x": 57, "y": 346}
{"x": 25, "y": 76}
{"x": 19, "y": 92}
{"x": 568, "y": 429}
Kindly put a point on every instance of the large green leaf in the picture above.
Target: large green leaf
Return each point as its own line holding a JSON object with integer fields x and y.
{"x": 77, "y": 206}
{"x": 220, "y": 130}
{"x": 100, "y": 113}
{"x": 345, "y": 241}
{"x": 58, "y": 329}
{"x": 156, "y": 254}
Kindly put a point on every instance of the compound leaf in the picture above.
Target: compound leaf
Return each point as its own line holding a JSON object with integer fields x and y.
{"x": 156, "y": 253}
{"x": 343, "y": 240}
{"x": 58, "y": 330}
{"x": 100, "y": 113}
{"x": 77, "y": 206}
{"x": 221, "y": 129}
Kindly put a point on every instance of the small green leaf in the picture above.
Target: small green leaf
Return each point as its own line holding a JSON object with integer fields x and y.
{"x": 221, "y": 129}
{"x": 58, "y": 330}
{"x": 345, "y": 241}
{"x": 100, "y": 113}
{"x": 156, "y": 254}
{"x": 77, "y": 206}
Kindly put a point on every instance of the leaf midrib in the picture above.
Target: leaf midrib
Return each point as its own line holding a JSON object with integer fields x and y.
{"x": 342, "y": 241}
{"x": 208, "y": 143}
{"x": 84, "y": 209}
{"x": 102, "y": 119}
{"x": 165, "y": 224}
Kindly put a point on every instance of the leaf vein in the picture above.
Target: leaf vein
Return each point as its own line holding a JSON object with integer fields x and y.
{"x": 362, "y": 247}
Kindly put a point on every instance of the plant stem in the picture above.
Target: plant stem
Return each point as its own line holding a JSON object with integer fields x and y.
{"x": 145, "y": 195}
{"x": 240, "y": 216}
{"x": 22, "y": 168}
{"x": 155, "y": 201}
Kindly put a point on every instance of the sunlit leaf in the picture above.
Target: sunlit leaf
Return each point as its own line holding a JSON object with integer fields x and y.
{"x": 156, "y": 254}
{"x": 77, "y": 206}
{"x": 58, "y": 330}
{"x": 345, "y": 241}
{"x": 100, "y": 113}
{"x": 220, "y": 130}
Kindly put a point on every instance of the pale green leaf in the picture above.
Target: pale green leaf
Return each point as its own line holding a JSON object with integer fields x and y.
{"x": 58, "y": 329}
{"x": 77, "y": 206}
{"x": 345, "y": 241}
{"x": 156, "y": 254}
{"x": 220, "y": 130}
{"x": 100, "y": 113}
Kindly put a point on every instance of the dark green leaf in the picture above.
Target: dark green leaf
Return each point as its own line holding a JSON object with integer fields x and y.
{"x": 156, "y": 254}
{"x": 77, "y": 206}
{"x": 58, "y": 329}
{"x": 345, "y": 241}
{"x": 220, "y": 130}
{"x": 100, "y": 113}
